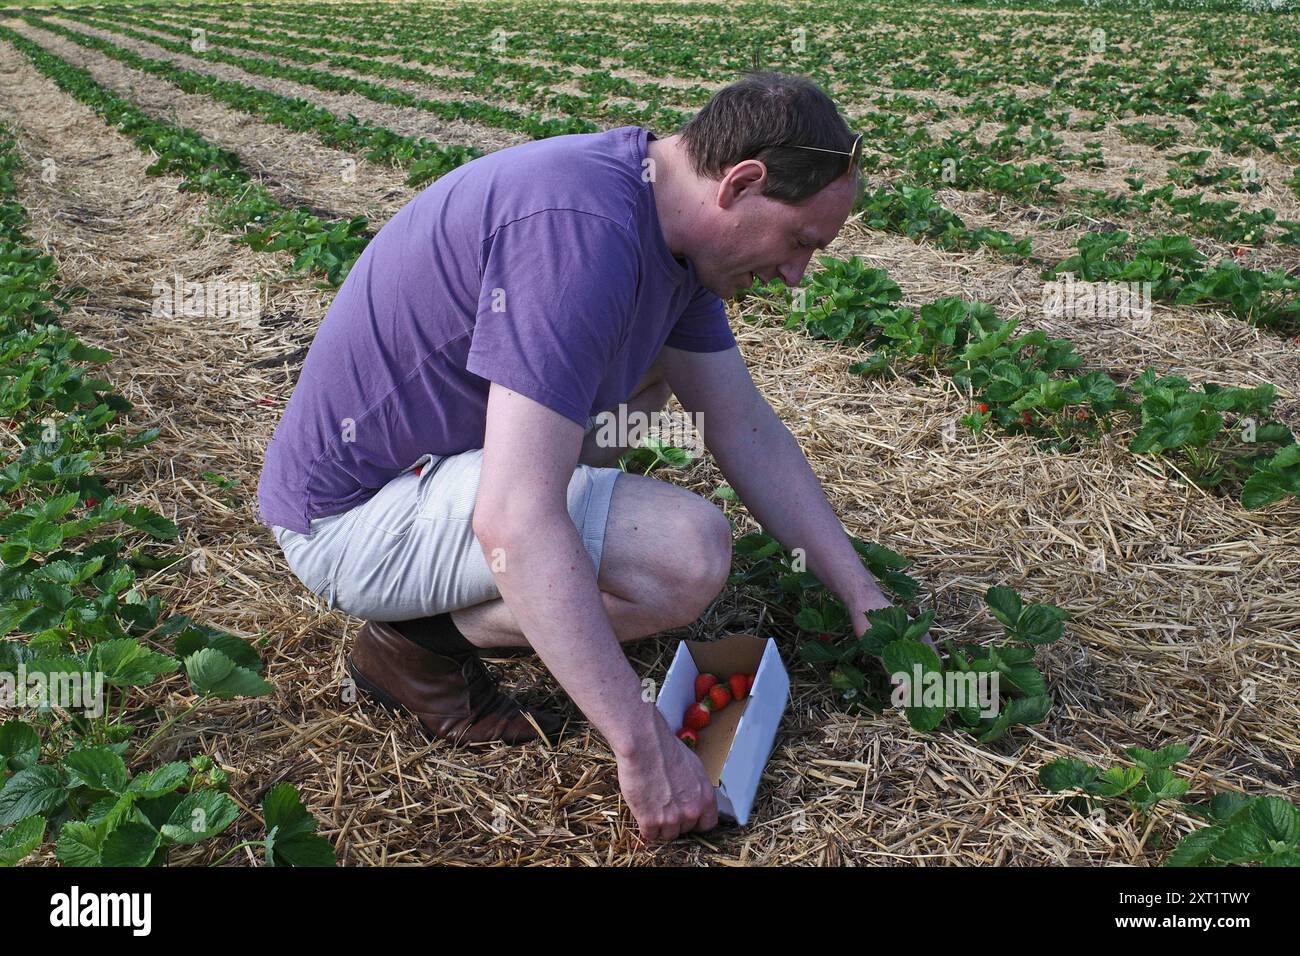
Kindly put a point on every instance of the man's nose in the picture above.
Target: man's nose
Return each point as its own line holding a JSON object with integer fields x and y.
{"x": 792, "y": 272}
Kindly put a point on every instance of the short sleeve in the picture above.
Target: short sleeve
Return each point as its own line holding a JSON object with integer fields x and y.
{"x": 703, "y": 327}
{"x": 554, "y": 307}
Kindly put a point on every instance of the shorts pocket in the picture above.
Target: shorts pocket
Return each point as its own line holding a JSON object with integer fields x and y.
{"x": 393, "y": 507}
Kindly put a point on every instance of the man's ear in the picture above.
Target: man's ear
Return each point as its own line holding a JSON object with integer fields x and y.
{"x": 745, "y": 177}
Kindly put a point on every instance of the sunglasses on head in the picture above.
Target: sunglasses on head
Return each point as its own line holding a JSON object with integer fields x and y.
{"x": 854, "y": 154}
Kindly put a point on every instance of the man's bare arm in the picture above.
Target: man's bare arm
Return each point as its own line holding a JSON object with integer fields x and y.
{"x": 764, "y": 464}
{"x": 547, "y": 580}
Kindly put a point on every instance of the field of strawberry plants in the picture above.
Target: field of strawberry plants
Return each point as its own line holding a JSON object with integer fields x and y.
{"x": 1048, "y": 374}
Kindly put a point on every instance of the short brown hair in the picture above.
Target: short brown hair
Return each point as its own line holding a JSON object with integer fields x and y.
{"x": 755, "y": 116}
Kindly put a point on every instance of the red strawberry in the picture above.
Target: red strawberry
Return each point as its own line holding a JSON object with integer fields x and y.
{"x": 1081, "y": 415}
{"x": 697, "y": 717}
{"x": 689, "y": 737}
{"x": 703, "y": 683}
{"x": 91, "y": 502}
{"x": 1027, "y": 418}
{"x": 984, "y": 409}
{"x": 825, "y": 637}
{"x": 739, "y": 685}
{"x": 719, "y": 696}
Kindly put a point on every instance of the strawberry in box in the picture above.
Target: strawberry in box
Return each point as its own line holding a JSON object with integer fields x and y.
{"x": 729, "y": 720}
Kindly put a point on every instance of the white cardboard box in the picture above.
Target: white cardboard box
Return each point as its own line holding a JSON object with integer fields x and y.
{"x": 736, "y": 744}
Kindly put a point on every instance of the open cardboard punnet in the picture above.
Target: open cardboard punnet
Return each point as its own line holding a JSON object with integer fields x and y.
{"x": 734, "y": 747}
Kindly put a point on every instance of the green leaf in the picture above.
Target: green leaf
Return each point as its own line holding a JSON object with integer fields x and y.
{"x": 79, "y": 844}
{"x": 809, "y": 619}
{"x": 1259, "y": 490}
{"x": 291, "y": 839}
{"x": 1242, "y": 842}
{"x": 1160, "y": 784}
{"x": 904, "y": 659}
{"x": 1024, "y": 678}
{"x": 1195, "y": 848}
{"x": 1115, "y": 781}
{"x": 80, "y": 352}
{"x": 20, "y": 745}
{"x": 1277, "y": 819}
{"x": 152, "y": 523}
{"x": 306, "y": 849}
{"x": 993, "y": 729}
{"x": 1005, "y": 604}
{"x": 818, "y": 652}
{"x": 34, "y": 790}
{"x": 21, "y": 839}
{"x": 160, "y": 780}
{"x": 1068, "y": 774}
{"x": 1225, "y": 806}
{"x": 201, "y": 815}
{"x": 213, "y": 673}
{"x": 112, "y": 811}
{"x": 125, "y": 662}
{"x": 1160, "y": 759}
{"x": 1040, "y": 624}
{"x": 97, "y": 768}
{"x": 1031, "y": 709}
{"x": 130, "y": 845}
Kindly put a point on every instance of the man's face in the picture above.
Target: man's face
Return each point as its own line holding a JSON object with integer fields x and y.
{"x": 753, "y": 236}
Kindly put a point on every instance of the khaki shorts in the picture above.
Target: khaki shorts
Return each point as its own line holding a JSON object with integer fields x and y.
{"x": 410, "y": 551}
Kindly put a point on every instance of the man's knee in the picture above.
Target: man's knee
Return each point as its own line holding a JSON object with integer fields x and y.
{"x": 700, "y": 562}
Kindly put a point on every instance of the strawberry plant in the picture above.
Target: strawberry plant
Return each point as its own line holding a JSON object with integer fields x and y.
{"x": 652, "y": 454}
{"x": 913, "y": 211}
{"x": 1027, "y": 383}
{"x": 87, "y": 640}
{"x": 896, "y": 640}
{"x": 1242, "y": 829}
{"x": 1178, "y": 273}
{"x": 795, "y": 595}
{"x": 847, "y": 302}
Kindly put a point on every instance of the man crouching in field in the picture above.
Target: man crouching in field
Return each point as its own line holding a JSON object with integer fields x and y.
{"x": 437, "y": 471}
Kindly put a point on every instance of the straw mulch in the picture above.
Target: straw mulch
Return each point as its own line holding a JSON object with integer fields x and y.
{"x": 1196, "y": 599}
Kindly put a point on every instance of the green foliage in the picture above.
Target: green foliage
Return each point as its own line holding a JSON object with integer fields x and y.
{"x": 73, "y": 614}
{"x": 238, "y": 204}
{"x": 1242, "y": 829}
{"x": 1222, "y": 438}
{"x": 1016, "y": 691}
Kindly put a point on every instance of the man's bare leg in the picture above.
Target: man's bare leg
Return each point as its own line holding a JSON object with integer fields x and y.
{"x": 667, "y": 551}
{"x": 667, "y": 555}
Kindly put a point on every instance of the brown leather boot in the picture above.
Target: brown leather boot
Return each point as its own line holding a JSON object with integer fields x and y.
{"x": 448, "y": 690}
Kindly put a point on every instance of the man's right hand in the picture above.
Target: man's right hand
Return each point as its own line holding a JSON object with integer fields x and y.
{"x": 666, "y": 787}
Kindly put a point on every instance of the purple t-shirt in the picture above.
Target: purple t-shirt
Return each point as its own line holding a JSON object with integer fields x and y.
{"x": 541, "y": 267}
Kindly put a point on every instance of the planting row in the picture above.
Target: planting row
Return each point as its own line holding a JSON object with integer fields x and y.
{"x": 1025, "y": 383}
{"x": 425, "y": 159}
{"x": 238, "y": 205}
{"x": 962, "y": 161}
{"x": 77, "y": 768}
{"x": 1107, "y": 64}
